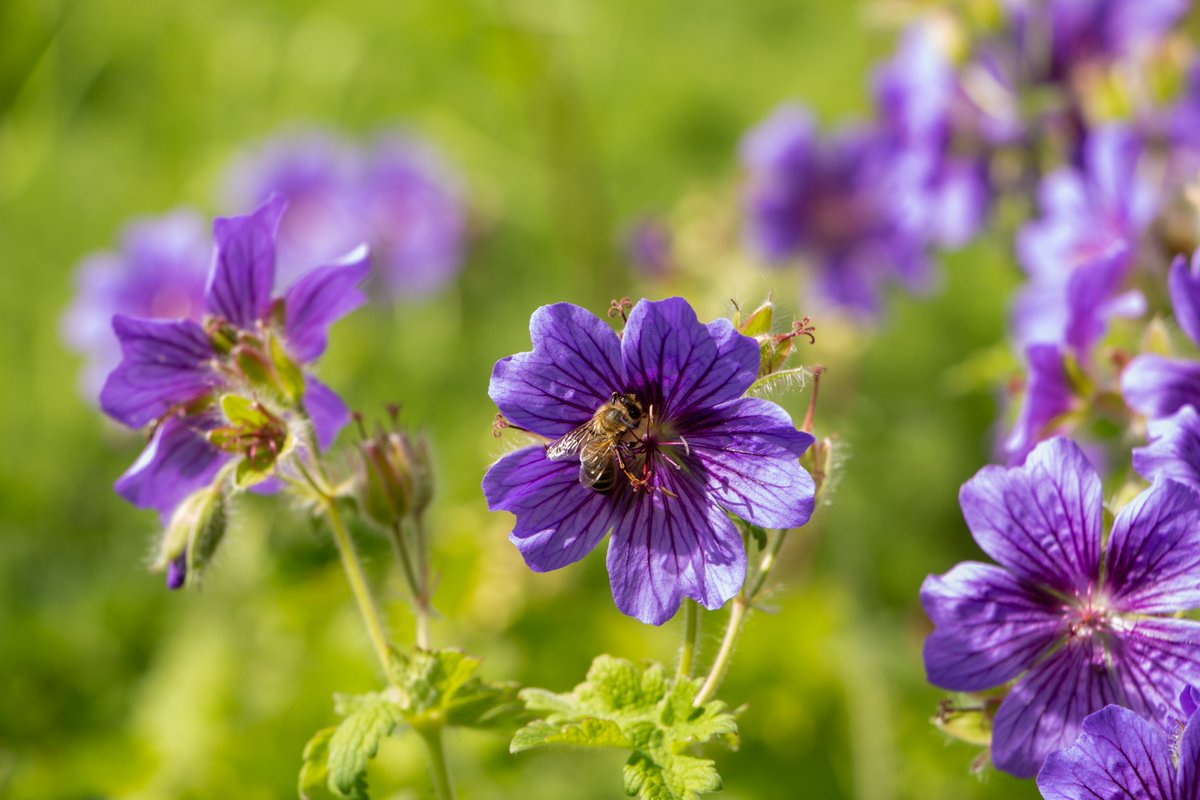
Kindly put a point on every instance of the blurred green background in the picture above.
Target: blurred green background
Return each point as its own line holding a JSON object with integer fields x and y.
{"x": 566, "y": 119}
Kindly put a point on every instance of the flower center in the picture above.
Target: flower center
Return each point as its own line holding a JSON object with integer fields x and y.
{"x": 1090, "y": 615}
{"x": 652, "y": 447}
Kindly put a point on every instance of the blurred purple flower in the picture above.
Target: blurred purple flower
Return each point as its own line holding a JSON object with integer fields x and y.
{"x": 1077, "y": 625}
{"x": 840, "y": 203}
{"x": 397, "y": 196}
{"x": 1079, "y": 253}
{"x": 1174, "y": 449}
{"x": 158, "y": 272}
{"x": 1121, "y": 755}
{"x": 648, "y": 246}
{"x": 700, "y": 452}
{"x": 1048, "y": 396}
{"x": 173, "y": 370}
{"x": 1155, "y": 385}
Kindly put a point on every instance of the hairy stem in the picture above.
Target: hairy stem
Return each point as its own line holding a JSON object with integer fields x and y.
{"x": 416, "y": 585}
{"x": 716, "y": 674}
{"x": 358, "y": 584}
{"x": 691, "y": 630}
{"x": 442, "y": 788}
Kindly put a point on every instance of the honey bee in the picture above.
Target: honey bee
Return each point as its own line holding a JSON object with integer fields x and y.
{"x": 597, "y": 442}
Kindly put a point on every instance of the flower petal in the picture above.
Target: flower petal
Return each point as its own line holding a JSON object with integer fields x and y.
{"x": 177, "y": 461}
{"x": 165, "y": 362}
{"x": 1041, "y": 520}
{"x": 1045, "y": 709}
{"x": 665, "y": 547}
{"x": 1174, "y": 449}
{"x": 1189, "y": 760}
{"x": 1155, "y": 659}
{"x": 988, "y": 626}
{"x": 1158, "y": 386}
{"x": 243, "y": 272}
{"x": 1153, "y": 554}
{"x": 749, "y": 451}
{"x": 1185, "y": 295}
{"x": 1047, "y": 395}
{"x": 1119, "y": 755}
{"x": 558, "y": 519}
{"x": 679, "y": 364}
{"x": 326, "y": 409}
{"x": 573, "y": 369}
{"x": 320, "y": 298}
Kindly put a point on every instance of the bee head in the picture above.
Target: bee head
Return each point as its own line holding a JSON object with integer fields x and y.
{"x": 632, "y": 407}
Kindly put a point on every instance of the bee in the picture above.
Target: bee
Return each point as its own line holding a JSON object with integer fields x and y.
{"x": 597, "y": 442}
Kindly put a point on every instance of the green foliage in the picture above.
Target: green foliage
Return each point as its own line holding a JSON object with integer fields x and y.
{"x": 639, "y": 709}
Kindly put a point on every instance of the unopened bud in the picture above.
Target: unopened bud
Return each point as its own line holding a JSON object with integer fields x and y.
{"x": 396, "y": 479}
{"x": 193, "y": 535}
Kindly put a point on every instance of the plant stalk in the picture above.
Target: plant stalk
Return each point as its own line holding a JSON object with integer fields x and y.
{"x": 442, "y": 788}
{"x": 691, "y": 631}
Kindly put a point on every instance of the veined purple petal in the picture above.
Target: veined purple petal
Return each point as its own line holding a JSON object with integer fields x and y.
{"x": 1045, "y": 709}
{"x": 665, "y": 547}
{"x": 1158, "y": 387}
{"x": 1119, "y": 755}
{"x": 1185, "y": 295}
{"x": 749, "y": 451}
{"x": 243, "y": 272}
{"x": 988, "y": 626}
{"x": 559, "y": 520}
{"x": 573, "y": 369}
{"x": 1189, "y": 760}
{"x": 1041, "y": 520}
{"x": 679, "y": 364}
{"x": 327, "y": 411}
{"x": 1153, "y": 553}
{"x": 1154, "y": 659}
{"x": 1174, "y": 449}
{"x": 165, "y": 362}
{"x": 177, "y": 461}
{"x": 321, "y": 298}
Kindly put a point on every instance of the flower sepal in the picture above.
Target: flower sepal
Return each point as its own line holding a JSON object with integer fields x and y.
{"x": 193, "y": 535}
{"x": 253, "y": 432}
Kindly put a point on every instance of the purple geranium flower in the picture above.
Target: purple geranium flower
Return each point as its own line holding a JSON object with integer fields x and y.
{"x": 1174, "y": 449}
{"x": 842, "y": 203}
{"x": 174, "y": 372}
{"x": 1077, "y": 624}
{"x": 700, "y": 452}
{"x": 158, "y": 272}
{"x": 1048, "y": 396}
{"x": 1158, "y": 386}
{"x": 398, "y": 197}
{"x": 1119, "y": 755}
{"x": 1078, "y": 254}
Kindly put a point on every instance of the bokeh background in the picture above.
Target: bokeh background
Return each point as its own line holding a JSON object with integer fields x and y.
{"x": 566, "y": 120}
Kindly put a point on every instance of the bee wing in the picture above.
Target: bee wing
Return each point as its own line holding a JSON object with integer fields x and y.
{"x": 569, "y": 444}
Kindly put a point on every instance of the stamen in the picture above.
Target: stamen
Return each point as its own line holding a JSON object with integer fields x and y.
{"x": 620, "y": 307}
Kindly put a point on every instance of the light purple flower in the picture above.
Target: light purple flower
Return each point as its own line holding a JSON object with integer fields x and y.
{"x": 1174, "y": 449}
{"x": 843, "y": 204}
{"x": 157, "y": 272}
{"x": 397, "y": 196}
{"x": 1077, "y": 625}
{"x": 701, "y": 452}
{"x": 1048, "y": 396}
{"x": 1119, "y": 755}
{"x": 1078, "y": 254}
{"x": 173, "y": 371}
{"x": 648, "y": 246}
{"x": 1155, "y": 385}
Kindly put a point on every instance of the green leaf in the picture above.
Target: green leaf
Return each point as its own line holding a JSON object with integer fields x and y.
{"x": 356, "y": 741}
{"x": 314, "y": 771}
{"x": 640, "y": 709}
{"x": 440, "y": 687}
{"x": 588, "y": 732}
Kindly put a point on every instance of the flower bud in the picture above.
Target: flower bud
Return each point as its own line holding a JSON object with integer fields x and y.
{"x": 193, "y": 535}
{"x": 396, "y": 479}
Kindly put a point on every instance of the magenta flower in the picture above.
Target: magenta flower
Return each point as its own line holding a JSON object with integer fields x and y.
{"x": 1121, "y": 756}
{"x": 174, "y": 372}
{"x": 700, "y": 451}
{"x": 158, "y": 272}
{"x": 1077, "y": 625}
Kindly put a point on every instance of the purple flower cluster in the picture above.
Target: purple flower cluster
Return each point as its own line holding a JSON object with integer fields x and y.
{"x": 230, "y": 389}
{"x": 396, "y": 195}
{"x": 1078, "y": 620}
{"x": 697, "y": 451}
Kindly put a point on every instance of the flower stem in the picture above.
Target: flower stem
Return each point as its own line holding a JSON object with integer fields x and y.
{"x": 442, "y": 788}
{"x": 358, "y": 584}
{"x": 415, "y": 585}
{"x": 691, "y": 630}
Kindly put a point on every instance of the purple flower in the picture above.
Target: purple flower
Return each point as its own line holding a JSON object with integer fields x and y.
{"x": 648, "y": 246}
{"x": 158, "y": 272}
{"x": 398, "y": 197}
{"x": 1155, "y": 385}
{"x": 1174, "y": 449}
{"x": 1048, "y": 396}
{"x": 1121, "y": 755}
{"x": 699, "y": 452}
{"x": 1078, "y": 254}
{"x": 1077, "y": 625}
{"x": 843, "y": 204}
{"x": 174, "y": 373}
